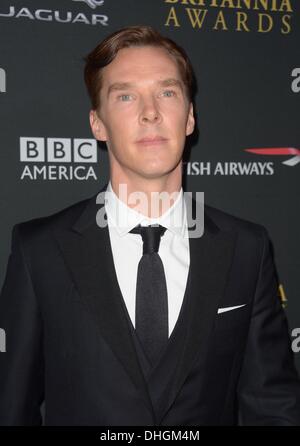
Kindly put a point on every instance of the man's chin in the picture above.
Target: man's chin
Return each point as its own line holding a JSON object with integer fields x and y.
{"x": 156, "y": 174}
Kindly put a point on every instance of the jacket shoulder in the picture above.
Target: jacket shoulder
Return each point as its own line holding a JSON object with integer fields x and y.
{"x": 228, "y": 222}
{"x": 61, "y": 219}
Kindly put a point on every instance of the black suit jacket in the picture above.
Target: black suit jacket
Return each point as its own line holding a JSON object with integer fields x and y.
{"x": 70, "y": 343}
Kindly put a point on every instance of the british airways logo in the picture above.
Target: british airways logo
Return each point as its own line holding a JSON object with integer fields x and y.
{"x": 279, "y": 151}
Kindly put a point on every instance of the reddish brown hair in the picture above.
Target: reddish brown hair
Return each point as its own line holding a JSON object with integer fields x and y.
{"x": 106, "y": 51}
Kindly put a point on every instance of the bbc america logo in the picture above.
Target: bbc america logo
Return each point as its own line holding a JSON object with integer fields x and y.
{"x": 58, "y": 158}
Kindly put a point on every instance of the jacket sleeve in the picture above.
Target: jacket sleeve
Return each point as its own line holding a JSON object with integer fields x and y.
{"x": 269, "y": 386}
{"x": 21, "y": 364}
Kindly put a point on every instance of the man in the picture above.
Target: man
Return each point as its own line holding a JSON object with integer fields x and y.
{"x": 132, "y": 324}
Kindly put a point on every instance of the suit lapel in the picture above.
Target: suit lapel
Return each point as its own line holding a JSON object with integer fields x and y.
{"x": 210, "y": 261}
{"x": 87, "y": 252}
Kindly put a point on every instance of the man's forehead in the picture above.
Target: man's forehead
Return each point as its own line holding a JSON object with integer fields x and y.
{"x": 130, "y": 63}
{"x": 145, "y": 52}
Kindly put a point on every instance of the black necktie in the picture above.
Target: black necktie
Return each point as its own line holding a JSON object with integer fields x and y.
{"x": 151, "y": 315}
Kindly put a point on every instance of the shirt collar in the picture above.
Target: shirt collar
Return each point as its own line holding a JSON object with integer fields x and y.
{"x": 124, "y": 218}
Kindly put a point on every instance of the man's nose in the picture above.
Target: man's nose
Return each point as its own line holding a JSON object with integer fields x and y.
{"x": 150, "y": 112}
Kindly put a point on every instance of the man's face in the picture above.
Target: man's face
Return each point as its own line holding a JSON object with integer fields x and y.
{"x": 144, "y": 115}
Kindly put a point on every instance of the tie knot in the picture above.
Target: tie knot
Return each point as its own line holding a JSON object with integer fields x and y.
{"x": 151, "y": 237}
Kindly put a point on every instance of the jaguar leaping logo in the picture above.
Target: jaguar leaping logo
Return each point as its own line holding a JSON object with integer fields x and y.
{"x": 91, "y": 3}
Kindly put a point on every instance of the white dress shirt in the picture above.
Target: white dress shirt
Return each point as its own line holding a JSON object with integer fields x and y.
{"x": 127, "y": 250}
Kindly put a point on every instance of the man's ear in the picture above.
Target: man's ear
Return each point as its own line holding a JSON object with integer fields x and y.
{"x": 190, "y": 125}
{"x": 97, "y": 126}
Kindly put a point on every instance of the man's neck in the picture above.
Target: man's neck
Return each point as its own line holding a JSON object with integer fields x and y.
{"x": 152, "y": 198}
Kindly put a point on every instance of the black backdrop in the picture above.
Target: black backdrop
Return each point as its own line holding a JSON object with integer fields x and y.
{"x": 245, "y": 54}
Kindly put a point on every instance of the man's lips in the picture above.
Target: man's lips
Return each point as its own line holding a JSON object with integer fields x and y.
{"x": 151, "y": 140}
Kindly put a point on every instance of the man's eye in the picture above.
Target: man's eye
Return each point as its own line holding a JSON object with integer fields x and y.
{"x": 125, "y": 97}
{"x": 169, "y": 93}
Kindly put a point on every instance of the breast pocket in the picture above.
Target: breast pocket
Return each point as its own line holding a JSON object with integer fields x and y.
{"x": 231, "y": 327}
{"x": 232, "y": 316}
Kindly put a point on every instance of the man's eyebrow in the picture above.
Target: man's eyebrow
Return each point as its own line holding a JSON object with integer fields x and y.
{"x": 171, "y": 83}
{"x": 119, "y": 86}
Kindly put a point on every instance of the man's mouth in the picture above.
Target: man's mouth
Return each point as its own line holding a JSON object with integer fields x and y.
{"x": 152, "y": 140}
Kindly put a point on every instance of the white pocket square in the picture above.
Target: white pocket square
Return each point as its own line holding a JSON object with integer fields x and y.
{"x": 223, "y": 310}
